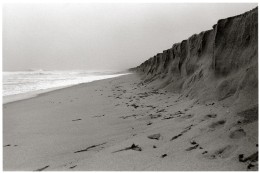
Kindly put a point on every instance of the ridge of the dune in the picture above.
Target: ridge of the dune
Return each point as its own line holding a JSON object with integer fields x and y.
{"x": 217, "y": 64}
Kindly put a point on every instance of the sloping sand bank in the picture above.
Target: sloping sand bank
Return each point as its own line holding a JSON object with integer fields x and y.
{"x": 94, "y": 126}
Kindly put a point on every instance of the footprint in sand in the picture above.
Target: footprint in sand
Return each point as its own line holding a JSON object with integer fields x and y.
{"x": 155, "y": 136}
{"x": 208, "y": 116}
{"x": 237, "y": 134}
{"x": 223, "y": 152}
{"x": 249, "y": 115}
{"x": 217, "y": 124}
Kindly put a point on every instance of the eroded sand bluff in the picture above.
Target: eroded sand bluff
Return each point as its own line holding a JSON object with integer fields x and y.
{"x": 218, "y": 64}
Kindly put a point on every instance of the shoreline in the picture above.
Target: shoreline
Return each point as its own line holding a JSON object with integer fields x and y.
{"x": 31, "y": 94}
{"x": 93, "y": 126}
{"x": 28, "y": 95}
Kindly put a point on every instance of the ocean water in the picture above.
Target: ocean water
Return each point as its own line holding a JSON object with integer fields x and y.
{"x": 27, "y": 81}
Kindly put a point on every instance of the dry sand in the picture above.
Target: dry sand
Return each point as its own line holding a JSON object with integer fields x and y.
{"x": 94, "y": 126}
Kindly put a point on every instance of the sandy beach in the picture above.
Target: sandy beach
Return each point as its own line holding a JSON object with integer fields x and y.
{"x": 122, "y": 124}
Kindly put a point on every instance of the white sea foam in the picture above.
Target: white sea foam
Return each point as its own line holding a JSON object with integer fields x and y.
{"x": 28, "y": 81}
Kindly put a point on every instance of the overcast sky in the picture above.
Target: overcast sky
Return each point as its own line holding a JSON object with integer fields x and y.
{"x": 87, "y": 36}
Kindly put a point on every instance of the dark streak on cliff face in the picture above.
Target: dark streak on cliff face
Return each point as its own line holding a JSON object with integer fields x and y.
{"x": 216, "y": 64}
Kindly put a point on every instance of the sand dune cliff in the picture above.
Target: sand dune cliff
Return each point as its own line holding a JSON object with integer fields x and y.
{"x": 216, "y": 64}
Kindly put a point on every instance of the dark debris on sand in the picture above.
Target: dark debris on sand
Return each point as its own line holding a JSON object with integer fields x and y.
{"x": 93, "y": 146}
{"x": 132, "y": 147}
{"x": 41, "y": 169}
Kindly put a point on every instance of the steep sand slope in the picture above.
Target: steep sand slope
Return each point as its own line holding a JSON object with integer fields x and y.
{"x": 215, "y": 66}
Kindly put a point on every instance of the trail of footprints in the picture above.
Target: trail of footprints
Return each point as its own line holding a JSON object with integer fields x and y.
{"x": 220, "y": 153}
{"x": 134, "y": 102}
